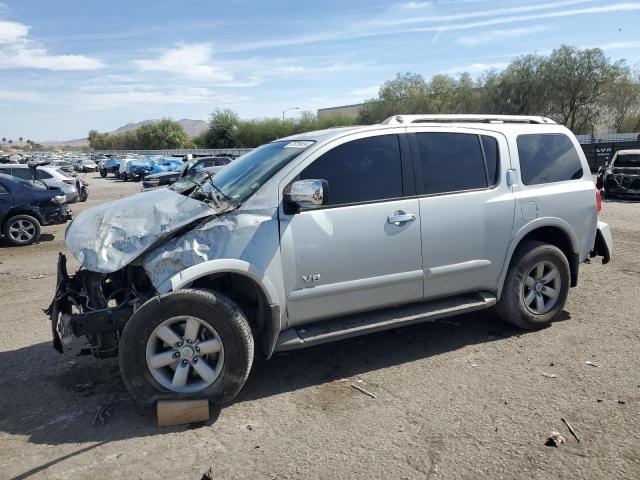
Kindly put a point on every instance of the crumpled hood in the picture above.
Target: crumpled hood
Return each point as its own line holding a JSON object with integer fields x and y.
{"x": 108, "y": 237}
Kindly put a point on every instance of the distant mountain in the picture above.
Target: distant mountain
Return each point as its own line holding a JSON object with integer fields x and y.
{"x": 192, "y": 128}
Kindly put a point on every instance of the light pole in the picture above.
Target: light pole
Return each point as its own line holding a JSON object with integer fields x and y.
{"x": 287, "y": 110}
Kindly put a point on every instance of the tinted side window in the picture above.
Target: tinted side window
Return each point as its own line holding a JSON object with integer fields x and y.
{"x": 546, "y": 158}
{"x": 450, "y": 162}
{"x": 43, "y": 175}
{"x": 359, "y": 171}
{"x": 3, "y": 189}
{"x": 492, "y": 158}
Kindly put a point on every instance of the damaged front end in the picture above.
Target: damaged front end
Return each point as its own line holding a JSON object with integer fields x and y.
{"x": 109, "y": 241}
{"x": 96, "y": 306}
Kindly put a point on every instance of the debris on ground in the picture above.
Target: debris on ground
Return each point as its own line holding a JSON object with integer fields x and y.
{"x": 104, "y": 413}
{"x": 573, "y": 432}
{"x": 178, "y": 412}
{"x": 621, "y": 402}
{"x": 360, "y": 389}
{"x": 549, "y": 375}
{"x": 591, "y": 364}
{"x": 37, "y": 277}
{"x": 555, "y": 440}
{"x": 209, "y": 475}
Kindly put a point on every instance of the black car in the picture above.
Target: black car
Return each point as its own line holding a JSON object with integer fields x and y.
{"x": 26, "y": 206}
{"x": 167, "y": 178}
{"x": 621, "y": 176}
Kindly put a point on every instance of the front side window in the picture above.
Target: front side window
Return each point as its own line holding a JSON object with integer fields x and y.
{"x": 363, "y": 170}
{"x": 42, "y": 175}
{"x": 3, "y": 190}
{"x": 547, "y": 158}
{"x": 453, "y": 162}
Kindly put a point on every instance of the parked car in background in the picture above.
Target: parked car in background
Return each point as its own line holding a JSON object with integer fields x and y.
{"x": 621, "y": 176}
{"x": 86, "y": 166}
{"x": 25, "y": 207}
{"x": 327, "y": 235}
{"x": 167, "y": 178}
{"x": 164, "y": 172}
{"x": 136, "y": 169}
{"x": 51, "y": 176}
{"x": 111, "y": 165}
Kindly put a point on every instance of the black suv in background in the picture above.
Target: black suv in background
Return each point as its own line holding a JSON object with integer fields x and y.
{"x": 167, "y": 178}
{"x": 25, "y": 207}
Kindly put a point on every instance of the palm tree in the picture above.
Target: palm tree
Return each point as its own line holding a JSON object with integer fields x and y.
{"x": 20, "y": 141}
{"x": 4, "y": 140}
{"x": 10, "y": 142}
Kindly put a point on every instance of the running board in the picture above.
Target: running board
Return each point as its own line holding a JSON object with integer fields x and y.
{"x": 362, "y": 323}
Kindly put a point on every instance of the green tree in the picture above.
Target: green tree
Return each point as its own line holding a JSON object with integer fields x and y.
{"x": 575, "y": 81}
{"x": 222, "y": 129}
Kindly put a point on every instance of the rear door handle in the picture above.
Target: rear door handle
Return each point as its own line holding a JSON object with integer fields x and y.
{"x": 399, "y": 218}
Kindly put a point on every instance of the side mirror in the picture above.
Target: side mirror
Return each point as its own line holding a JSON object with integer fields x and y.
{"x": 307, "y": 193}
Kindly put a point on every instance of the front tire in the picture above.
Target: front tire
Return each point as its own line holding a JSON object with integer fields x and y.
{"x": 21, "y": 230}
{"x": 103, "y": 173}
{"x": 188, "y": 344}
{"x": 536, "y": 287}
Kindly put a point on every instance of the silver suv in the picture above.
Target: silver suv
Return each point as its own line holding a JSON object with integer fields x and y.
{"x": 327, "y": 235}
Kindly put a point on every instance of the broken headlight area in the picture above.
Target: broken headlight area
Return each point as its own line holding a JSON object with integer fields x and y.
{"x": 96, "y": 306}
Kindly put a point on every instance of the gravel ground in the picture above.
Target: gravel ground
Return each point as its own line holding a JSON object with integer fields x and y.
{"x": 461, "y": 398}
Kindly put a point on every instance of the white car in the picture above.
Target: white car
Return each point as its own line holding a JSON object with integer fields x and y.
{"x": 51, "y": 176}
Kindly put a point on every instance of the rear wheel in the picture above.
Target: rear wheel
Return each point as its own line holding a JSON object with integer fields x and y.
{"x": 21, "y": 230}
{"x": 536, "y": 286}
{"x": 186, "y": 344}
{"x": 103, "y": 172}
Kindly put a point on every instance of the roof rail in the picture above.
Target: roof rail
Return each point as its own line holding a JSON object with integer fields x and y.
{"x": 409, "y": 119}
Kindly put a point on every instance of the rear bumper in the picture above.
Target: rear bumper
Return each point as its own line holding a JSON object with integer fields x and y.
{"x": 603, "y": 245}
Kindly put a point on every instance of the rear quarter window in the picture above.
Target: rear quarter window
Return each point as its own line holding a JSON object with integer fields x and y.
{"x": 548, "y": 158}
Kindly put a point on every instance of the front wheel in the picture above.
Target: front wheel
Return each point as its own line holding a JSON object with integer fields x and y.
{"x": 188, "y": 344}
{"x": 103, "y": 172}
{"x": 21, "y": 230}
{"x": 536, "y": 287}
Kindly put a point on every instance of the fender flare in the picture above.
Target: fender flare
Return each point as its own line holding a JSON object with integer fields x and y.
{"x": 221, "y": 266}
{"x": 556, "y": 222}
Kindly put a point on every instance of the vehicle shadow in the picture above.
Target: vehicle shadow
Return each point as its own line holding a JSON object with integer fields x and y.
{"x": 44, "y": 237}
{"x": 60, "y": 399}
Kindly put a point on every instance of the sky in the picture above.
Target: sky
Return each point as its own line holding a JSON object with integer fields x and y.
{"x": 68, "y": 66}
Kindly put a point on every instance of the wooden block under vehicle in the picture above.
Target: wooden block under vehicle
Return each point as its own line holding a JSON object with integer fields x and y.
{"x": 178, "y": 412}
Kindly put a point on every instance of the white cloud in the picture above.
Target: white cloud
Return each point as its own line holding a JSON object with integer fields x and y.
{"x": 189, "y": 60}
{"x": 18, "y": 51}
{"x": 493, "y": 36}
{"x": 475, "y": 68}
{"x": 12, "y": 31}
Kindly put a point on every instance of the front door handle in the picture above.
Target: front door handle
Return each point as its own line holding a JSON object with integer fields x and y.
{"x": 400, "y": 217}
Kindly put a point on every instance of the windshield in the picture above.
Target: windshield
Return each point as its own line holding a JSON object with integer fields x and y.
{"x": 238, "y": 180}
{"x": 627, "y": 161}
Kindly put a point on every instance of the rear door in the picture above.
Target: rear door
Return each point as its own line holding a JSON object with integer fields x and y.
{"x": 466, "y": 208}
{"x": 349, "y": 255}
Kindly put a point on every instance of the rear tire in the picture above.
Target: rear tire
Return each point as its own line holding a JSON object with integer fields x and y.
{"x": 219, "y": 318}
{"x": 21, "y": 230}
{"x": 103, "y": 173}
{"x": 536, "y": 287}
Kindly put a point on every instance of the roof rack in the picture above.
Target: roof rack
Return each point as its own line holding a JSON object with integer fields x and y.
{"x": 409, "y": 119}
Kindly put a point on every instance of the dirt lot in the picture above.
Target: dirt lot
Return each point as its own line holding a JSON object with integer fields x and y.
{"x": 461, "y": 398}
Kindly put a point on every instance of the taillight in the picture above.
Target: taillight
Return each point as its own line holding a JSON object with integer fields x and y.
{"x": 598, "y": 201}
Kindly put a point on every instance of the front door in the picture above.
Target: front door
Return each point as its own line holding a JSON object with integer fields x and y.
{"x": 357, "y": 252}
{"x": 466, "y": 208}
